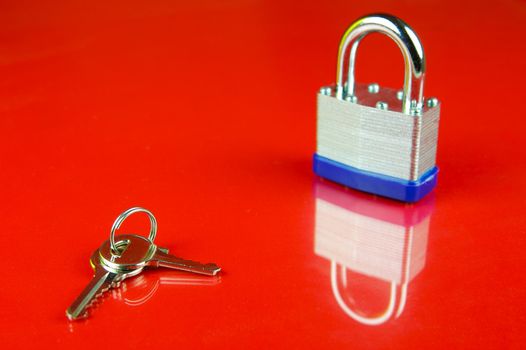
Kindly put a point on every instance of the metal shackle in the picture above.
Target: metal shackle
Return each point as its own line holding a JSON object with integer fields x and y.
{"x": 407, "y": 41}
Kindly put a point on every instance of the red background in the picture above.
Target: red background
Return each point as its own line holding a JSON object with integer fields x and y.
{"x": 205, "y": 114}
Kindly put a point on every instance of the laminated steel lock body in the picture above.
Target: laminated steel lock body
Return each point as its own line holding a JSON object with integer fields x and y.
{"x": 377, "y": 139}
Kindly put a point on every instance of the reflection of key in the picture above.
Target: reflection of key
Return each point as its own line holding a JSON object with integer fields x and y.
{"x": 127, "y": 256}
{"x": 140, "y": 289}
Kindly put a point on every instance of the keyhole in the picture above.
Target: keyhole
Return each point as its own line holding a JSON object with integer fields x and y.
{"x": 121, "y": 246}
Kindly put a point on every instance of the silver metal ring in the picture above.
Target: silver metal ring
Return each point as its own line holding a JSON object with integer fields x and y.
{"x": 120, "y": 219}
{"x": 407, "y": 41}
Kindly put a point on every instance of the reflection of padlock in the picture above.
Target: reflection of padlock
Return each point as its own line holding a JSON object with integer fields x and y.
{"x": 373, "y": 237}
{"x": 376, "y": 139}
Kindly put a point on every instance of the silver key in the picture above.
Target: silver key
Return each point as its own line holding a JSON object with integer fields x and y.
{"x": 103, "y": 280}
{"x": 127, "y": 256}
{"x": 141, "y": 252}
{"x": 163, "y": 259}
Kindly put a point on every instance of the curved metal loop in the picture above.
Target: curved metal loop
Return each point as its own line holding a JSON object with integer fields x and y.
{"x": 120, "y": 219}
{"x": 407, "y": 41}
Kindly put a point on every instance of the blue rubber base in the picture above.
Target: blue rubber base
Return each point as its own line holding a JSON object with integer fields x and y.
{"x": 382, "y": 185}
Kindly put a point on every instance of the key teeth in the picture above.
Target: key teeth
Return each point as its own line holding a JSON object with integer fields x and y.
{"x": 97, "y": 298}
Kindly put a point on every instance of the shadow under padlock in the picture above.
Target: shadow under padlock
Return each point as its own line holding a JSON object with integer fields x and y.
{"x": 372, "y": 239}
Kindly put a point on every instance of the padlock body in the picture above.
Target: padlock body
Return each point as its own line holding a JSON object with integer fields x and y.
{"x": 385, "y": 152}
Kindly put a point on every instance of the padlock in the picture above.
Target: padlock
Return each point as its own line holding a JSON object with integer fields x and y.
{"x": 376, "y": 139}
{"x": 377, "y": 239}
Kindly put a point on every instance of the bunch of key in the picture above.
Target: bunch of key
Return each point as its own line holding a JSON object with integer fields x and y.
{"x": 125, "y": 256}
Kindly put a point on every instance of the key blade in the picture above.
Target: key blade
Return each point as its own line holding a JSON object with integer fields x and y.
{"x": 163, "y": 259}
{"x": 100, "y": 283}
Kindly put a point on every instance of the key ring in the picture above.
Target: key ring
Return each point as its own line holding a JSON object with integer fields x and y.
{"x": 120, "y": 219}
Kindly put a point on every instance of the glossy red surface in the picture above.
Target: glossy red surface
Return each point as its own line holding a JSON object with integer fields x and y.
{"x": 205, "y": 114}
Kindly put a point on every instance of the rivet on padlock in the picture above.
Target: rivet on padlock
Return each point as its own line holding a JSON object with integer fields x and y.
{"x": 378, "y": 139}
